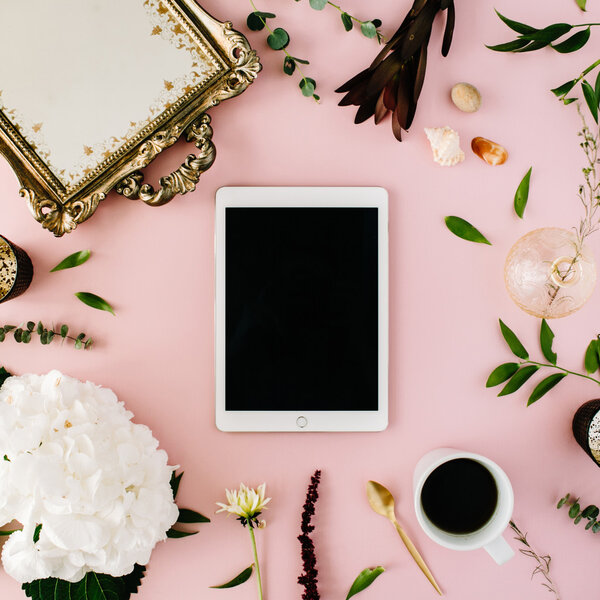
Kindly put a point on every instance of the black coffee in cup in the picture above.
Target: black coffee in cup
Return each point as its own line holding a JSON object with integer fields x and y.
{"x": 459, "y": 496}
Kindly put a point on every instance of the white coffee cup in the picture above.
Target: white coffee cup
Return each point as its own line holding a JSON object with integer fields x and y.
{"x": 490, "y": 535}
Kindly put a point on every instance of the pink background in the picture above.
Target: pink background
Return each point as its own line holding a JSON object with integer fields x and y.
{"x": 156, "y": 267}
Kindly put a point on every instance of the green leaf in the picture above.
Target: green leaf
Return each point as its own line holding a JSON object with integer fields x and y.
{"x": 300, "y": 60}
{"x": 581, "y": 4}
{"x": 4, "y": 375}
{"x": 78, "y": 344}
{"x": 597, "y": 86}
{"x": 44, "y": 338}
{"x": 574, "y": 43}
{"x": 564, "y": 89}
{"x": 81, "y": 336}
{"x": 256, "y": 20}
{"x": 18, "y": 334}
{"x": 307, "y": 85}
{"x": 509, "y": 46}
{"x": 6, "y": 458}
{"x": 2, "y": 335}
{"x": 279, "y": 39}
{"x": 516, "y": 26}
{"x": 347, "y": 21}
{"x": 191, "y": 516}
{"x": 73, "y": 260}
{"x": 569, "y": 100}
{"x": 501, "y": 374}
{"x": 30, "y": 325}
{"x": 64, "y": 330}
{"x": 590, "y": 98}
{"x": 532, "y": 46}
{"x": 26, "y": 336}
{"x": 591, "y": 362}
{"x": 590, "y": 512}
{"x": 549, "y": 34}
{"x": 364, "y": 580}
{"x": 522, "y": 194}
{"x": 88, "y": 343}
{"x": 36, "y": 533}
{"x": 562, "y": 501}
{"x": 289, "y": 65}
{"x": 8, "y": 328}
{"x": 95, "y": 301}
{"x": 518, "y": 379}
{"x": 463, "y": 229}
{"x": 9, "y": 531}
{"x": 40, "y": 328}
{"x": 546, "y": 338}
{"x": 368, "y": 29}
{"x": 544, "y": 386}
{"x": 513, "y": 341}
{"x": 94, "y": 586}
{"x": 237, "y": 580}
{"x": 574, "y": 510}
{"x": 318, "y": 4}
{"x": 596, "y": 527}
{"x": 175, "y": 481}
{"x": 176, "y": 533}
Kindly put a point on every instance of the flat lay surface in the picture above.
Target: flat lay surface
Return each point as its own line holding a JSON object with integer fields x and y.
{"x": 156, "y": 267}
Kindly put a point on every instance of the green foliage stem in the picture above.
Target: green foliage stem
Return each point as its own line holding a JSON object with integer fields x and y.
{"x": 278, "y": 40}
{"x": 22, "y": 334}
{"x": 576, "y": 513}
{"x": 517, "y": 373}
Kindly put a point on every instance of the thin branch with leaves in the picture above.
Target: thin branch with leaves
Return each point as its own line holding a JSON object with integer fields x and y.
{"x": 543, "y": 562}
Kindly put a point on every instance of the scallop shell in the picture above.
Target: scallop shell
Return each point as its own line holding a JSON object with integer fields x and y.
{"x": 445, "y": 145}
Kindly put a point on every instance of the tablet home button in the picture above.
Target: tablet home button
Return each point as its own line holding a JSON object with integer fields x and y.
{"x": 301, "y": 422}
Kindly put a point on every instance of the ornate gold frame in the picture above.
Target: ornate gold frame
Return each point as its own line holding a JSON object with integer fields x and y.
{"x": 60, "y": 209}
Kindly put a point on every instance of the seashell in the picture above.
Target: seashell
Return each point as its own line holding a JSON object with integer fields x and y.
{"x": 445, "y": 145}
{"x": 491, "y": 152}
{"x": 466, "y": 97}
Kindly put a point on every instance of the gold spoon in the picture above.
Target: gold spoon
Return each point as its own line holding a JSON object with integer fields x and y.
{"x": 382, "y": 502}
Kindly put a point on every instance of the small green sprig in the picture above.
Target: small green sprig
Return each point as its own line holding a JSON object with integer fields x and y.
{"x": 591, "y": 93}
{"x": 543, "y": 562}
{"x": 368, "y": 28}
{"x": 22, "y": 334}
{"x": 531, "y": 38}
{"x": 590, "y": 513}
{"x": 515, "y": 374}
{"x": 279, "y": 39}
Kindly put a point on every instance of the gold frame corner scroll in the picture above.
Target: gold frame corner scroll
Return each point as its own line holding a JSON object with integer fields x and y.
{"x": 60, "y": 208}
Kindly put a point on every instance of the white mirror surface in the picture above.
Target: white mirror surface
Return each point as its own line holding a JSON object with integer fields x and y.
{"x": 80, "y": 78}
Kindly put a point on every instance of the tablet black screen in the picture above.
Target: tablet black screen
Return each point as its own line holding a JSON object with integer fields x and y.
{"x": 301, "y": 313}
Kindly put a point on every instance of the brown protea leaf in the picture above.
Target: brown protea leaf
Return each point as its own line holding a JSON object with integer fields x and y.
{"x": 394, "y": 80}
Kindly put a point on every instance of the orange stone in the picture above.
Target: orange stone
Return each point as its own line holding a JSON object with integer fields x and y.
{"x": 491, "y": 152}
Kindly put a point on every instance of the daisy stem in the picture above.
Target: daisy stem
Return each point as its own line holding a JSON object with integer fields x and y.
{"x": 258, "y": 580}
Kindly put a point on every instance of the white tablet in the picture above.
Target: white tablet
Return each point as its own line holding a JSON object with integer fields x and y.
{"x": 301, "y": 309}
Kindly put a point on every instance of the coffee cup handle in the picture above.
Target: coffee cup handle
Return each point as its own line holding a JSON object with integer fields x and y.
{"x": 499, "y": 550}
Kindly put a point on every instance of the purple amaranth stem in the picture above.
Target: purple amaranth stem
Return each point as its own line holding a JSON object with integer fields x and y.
{"x": 309, "y": 560}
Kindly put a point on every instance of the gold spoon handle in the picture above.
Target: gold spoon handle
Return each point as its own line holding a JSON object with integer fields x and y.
{"x": 415, "y": 554}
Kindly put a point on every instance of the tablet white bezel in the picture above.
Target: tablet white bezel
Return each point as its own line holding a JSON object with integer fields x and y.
{"x": 301, "y": 197}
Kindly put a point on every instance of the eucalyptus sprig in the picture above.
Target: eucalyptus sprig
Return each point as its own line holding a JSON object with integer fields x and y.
{"x": 279, "y": 39}
{"x": 590, "y": 513}
{"x": 368, "y": 28}
{"x": 531, "y": 38}
{"x": 515, "y": 374}
{"x": 22, "y": 334}
{"x": 543, "y": 562}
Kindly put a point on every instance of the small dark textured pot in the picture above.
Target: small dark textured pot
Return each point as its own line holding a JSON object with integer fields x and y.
{"x": 581, "y": 425}
{"x": 24, "y": 271}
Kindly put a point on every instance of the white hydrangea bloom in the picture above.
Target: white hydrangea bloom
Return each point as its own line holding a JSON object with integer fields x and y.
{"x": 72, "y": 461}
